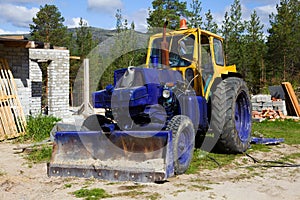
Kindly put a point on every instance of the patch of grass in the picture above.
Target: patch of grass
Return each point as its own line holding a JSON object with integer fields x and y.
{"x": 40, "y": 155}
{"x": 204, "y": 160}
{"x": 200, "y": 187}
{"x": 290, "y": 158}
{"x": 38, "y": 128}
{"x": 179, "y": 185}
{"x": 175, "y": 193}
{"x": 131, "y": 187}
{"x": 113, "y": 183}
{"x": 287, "y": 129}
{"x": 154, "y": 196}
{"x": 91, "y": 194}
{"x": 260, "y": 147}
{"x": 242, "y": 176}
{"x": 68, "y": 185}
{"x": 131, "y": 194}
{"x": 2, "y": 173}
{"x": 206, "y": 181}
{"x": 69, "y": 179}
{"x": 89, "y": 182}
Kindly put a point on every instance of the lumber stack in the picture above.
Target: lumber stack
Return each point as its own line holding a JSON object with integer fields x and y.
{"x": 12, "y": 118}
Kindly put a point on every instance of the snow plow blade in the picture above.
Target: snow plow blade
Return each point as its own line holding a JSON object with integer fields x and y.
{"x": 119, "y": 156}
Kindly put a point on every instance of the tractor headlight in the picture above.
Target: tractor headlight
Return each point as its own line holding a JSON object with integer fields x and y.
{"x": 166, "y": 94}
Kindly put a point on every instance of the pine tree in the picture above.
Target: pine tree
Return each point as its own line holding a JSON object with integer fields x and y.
{"x": 225, "y": 33}
{"x": 84, "y": 39}
{"x": 83, "y": 44}
{"x": 210, "y": 24}
{"x": 48, "y": 27}
{"x": 235, "y": 41}
{"x": 119, "y": 23}
{"x": 195, "y": 19}
{"x": 254, "y": 50}
{"x": 170, "y": 10}
{"x": 283, "y": 43}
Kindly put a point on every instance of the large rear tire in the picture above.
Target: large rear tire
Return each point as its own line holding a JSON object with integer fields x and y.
{"x": 183, "y": 135}
{"x": 231, "y": 116}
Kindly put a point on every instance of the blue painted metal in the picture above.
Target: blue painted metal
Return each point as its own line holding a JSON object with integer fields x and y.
{"x": 134, "y": 102}
{"x": 267, "y": 141}
{"x": 184, "y": 147}
{"x": 203, "y": 119}
{"x": 118, "y": 74}
{"x": 143, "y": 95}
{"x": 243, "y": 117}
{"x": 191, "y": 105}
{"x": 155, "y": 60}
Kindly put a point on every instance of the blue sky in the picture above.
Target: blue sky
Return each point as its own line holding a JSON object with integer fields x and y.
{"x": 16, "y": 15}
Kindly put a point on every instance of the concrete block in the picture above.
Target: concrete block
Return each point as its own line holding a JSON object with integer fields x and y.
{"x": 268, "y": 104}
{"x": 261, "y": 98}
{"x": 278, "y": 103}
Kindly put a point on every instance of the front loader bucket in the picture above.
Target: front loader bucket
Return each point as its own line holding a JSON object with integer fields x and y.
{"x": 119, "y": 156}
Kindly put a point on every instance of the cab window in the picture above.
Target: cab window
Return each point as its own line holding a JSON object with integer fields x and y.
{"x": 219, "y": 53}
{"x": 181, "y": 49}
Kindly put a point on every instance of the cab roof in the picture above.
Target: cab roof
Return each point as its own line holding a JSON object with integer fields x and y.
{"x": 187, "y": 31}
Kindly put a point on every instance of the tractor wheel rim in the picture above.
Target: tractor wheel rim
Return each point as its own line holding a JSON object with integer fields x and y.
{"x": 242, "y": 117}
{"x": 184, "y": 147}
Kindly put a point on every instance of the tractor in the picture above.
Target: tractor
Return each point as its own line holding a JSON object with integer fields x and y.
{"x": 155, "y": 116}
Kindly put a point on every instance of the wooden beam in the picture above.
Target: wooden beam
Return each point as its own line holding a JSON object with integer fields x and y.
{"x": 13, "y": 37}
{"x": 291, "y": 99}
{"x": 75, "y": 58}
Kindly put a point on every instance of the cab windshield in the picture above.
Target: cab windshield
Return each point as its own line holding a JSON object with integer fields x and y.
{"x": 181, "y": 51}
{"x": 131, "y": 78}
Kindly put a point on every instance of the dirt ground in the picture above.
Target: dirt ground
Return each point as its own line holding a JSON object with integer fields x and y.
{"x": 20, "y": 181}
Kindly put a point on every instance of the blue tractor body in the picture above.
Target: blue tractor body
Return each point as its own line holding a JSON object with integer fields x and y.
{"x": 138, "y": 108}
{"x": 144, "y": 99}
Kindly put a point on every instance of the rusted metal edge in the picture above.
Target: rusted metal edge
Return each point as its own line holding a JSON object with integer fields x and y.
{"x": 56, "y": 170}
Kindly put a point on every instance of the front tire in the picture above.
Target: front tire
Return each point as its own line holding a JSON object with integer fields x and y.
{"x": 183, "y": 135}
{"x": 231, "y": 116}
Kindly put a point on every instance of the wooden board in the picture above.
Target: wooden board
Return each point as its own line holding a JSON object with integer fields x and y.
{"x": 12, "y": 118}
{"x": 292, "y": 103}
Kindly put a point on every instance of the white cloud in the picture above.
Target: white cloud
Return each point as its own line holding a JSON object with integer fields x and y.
{"x": 74, "y": 23}
{"x": 140, "y": 20}
{"x": 267, "y": 7}
{"x": 4, "y": 32}
{"x": 108, "y": 6}
{"x": 18, "y": 16}
{"x": 260, "y": 1}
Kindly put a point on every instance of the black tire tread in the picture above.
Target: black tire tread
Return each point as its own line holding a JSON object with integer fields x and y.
{"x": 222, "y": 121}
{"x": 174, "y": 125}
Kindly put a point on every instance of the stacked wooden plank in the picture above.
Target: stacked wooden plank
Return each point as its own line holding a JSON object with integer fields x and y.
{"x": 268, "y": 114}
{"x": 12, "y": 118}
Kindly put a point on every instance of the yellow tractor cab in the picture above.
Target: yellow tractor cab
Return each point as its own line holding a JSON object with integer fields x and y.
{"x": 197, "y": 54}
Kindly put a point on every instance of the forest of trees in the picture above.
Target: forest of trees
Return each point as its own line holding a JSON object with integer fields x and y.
{"x": 262, "y": 58}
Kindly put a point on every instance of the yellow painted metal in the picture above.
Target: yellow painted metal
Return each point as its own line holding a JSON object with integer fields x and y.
{"x": 196, "y": 62}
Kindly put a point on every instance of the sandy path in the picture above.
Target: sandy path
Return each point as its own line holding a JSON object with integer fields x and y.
{"x": 18, "y": 181}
